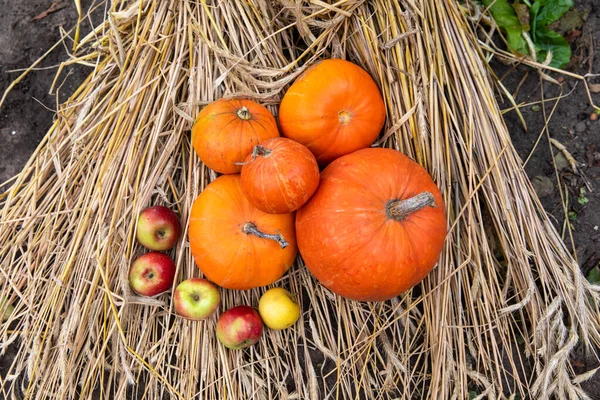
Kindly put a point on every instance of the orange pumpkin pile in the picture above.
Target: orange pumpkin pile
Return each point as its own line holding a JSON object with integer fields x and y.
{"x": 370, "y": 226}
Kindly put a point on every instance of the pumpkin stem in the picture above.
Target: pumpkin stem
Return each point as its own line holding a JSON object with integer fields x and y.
{"x": 244, "y": 113}
{"x": 250, "y": 228}
{"x": 261, "y": 151}
{"x": 257, "y": 151}
{"x": 400, "y": 209}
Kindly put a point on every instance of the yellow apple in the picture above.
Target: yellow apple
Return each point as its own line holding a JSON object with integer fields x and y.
{"x": 278, "y": 308}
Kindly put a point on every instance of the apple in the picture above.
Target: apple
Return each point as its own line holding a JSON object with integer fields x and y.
{"x": 239, "y": 327}
{"x": 158, "y": 228}
{"x": 152, "y": 274}
{"x": 6, "y": 309}
{"x": 278, "y": 308}
{"x": 196, "y": 298}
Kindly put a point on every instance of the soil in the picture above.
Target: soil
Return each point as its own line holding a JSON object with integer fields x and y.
{"x": 27, "y": 114}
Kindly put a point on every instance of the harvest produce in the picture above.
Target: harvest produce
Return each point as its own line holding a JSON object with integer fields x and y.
{"x": 334, "y": 108}
{"x": 6, "y": 309}
{"x": 196, "y": 298}
{"x": 504, "y": 314}
{"x": 278, "y": 308}
{"x": 239, "y": 327}
{"x": 227, "y": 130}
{"x": 279, "y": 176}
{"x": 158, "y": 228}
{"x": 152, "y": 274}
{"x": 235, "y": 244}
{"x": 375, "y": 226}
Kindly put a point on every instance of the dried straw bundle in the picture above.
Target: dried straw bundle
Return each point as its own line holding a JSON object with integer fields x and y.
{"x": 501, "y": 313}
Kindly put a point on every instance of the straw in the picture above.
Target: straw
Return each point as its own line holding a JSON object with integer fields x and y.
{"x": 500, "y": 315}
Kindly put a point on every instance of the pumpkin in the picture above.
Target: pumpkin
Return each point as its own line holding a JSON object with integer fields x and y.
{"x": 279, "y": 176}
{"x": 235, "y": 244}
{"x": 374, "y": 228}
{"x": 227, "y": 130}
{"x": 333, "y": 108}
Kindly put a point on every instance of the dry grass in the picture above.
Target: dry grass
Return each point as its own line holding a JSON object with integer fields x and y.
{"x": 505, "y": 298}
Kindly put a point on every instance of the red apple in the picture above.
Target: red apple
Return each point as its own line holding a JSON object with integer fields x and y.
{"x": 152, "y": 274}
{"x": 196, "y": 298}
{"x": 158, "y": 228}
{"x": 239, "y": 327}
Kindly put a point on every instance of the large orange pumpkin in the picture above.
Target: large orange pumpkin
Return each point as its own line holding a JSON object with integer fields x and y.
{"x": 227, "y": 130}
{"x": 279, "y": 176}
{"x": 375, "y": 226}
{"x": 334, "y": 108}
{"x": 235, "y": 244}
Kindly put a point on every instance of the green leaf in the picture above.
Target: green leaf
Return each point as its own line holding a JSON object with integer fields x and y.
{"x": 506, "y": 18}
{"x": 543, "y": 13}
{"x": 547, "y": 40}
{"x": 472, "y": 394}
{"x": 594, "y": 276}
{"x": 572, "y": 215}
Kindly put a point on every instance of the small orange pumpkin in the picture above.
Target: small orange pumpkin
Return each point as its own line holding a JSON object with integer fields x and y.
{"x": 375, "y": 226}
{"x": 279, "y": 176}
{"x": 235, "y": 244}
{"x": 334, "y": 108}
{"x": 227, "y": 130}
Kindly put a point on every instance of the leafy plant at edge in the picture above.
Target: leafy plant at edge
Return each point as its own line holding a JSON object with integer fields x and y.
{"x": 542, "y": 13}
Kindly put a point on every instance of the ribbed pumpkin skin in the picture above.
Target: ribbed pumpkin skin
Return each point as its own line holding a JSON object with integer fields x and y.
{"x": 226, "y": 255}
{"x": 221, "y": 138}
{"x": 282, "y": 180}
{"x": 346, "y": 238}
{"x": 334, "y": 108}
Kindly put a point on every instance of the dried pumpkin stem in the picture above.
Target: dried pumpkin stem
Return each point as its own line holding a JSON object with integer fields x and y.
{"x": 251, "y": 229}
{"x": 257, "y": 151}
{"x": 400, "y": 209}
{"x": 261, "y": 151}
{"x": 244, "y": 113}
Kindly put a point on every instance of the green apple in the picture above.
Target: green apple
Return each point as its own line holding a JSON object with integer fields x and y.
{"x": 6, "y": 309}
{"x": 196, "y": 298}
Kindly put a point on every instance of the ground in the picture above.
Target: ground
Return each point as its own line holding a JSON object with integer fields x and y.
{"x": 27, "y": 114}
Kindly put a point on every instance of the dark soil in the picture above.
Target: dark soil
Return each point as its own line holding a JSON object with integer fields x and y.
{"x": 572, "y": 125}
{"x": 27, "y": 114}
{"x": 28, "y": 110}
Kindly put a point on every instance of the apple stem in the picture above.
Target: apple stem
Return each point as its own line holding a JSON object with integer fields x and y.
{"x": 250, "y": 228}
{"x": 400, "y": 209}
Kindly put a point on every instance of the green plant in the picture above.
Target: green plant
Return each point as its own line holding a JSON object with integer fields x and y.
{"x": 582, "y": 199}
{"x": 594, "y": 276}
{"x": 527, "y": 28}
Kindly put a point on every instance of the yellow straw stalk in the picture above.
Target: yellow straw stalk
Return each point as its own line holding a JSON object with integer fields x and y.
{"x": 505, "y": 298}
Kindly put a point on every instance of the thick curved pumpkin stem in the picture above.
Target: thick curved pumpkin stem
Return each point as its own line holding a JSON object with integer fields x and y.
{"x": 251, "y": 229}
{"x": 244, "y": 113}
{"x": 400, "y": 209}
